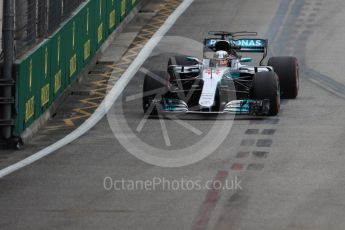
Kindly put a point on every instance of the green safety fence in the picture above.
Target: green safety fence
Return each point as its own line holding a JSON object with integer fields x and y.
{"x": 33, "y": 86}
{"x": 57, "y": 65}
{"x": 100, "y": 18}
{"x": 113, "y": 15}
{"x": 43, "y": 74}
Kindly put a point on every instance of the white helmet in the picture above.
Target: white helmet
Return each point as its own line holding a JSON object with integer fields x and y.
{"x": 221, "y": 55}
{"x": 221, "y": 59}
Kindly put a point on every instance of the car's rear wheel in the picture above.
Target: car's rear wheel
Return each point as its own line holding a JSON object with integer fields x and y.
{"x": 266, "y": 86}
{"x": 288, "y": 72}
{"x": 155, "y": 86}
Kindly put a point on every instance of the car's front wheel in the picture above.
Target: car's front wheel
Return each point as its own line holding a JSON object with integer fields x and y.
{"x": 266, "y": 86}
{"x": 288, "y": 72}
{"x": 155, "y": 86}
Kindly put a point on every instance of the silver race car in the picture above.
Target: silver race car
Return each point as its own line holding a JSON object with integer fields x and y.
{"x": 222, "y": 82}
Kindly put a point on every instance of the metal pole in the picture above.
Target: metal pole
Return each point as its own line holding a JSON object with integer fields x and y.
{"x": 8, "y": 31}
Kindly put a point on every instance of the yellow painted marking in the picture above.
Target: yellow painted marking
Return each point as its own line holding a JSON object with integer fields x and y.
{"x": 87, "y": 49}
{"x": 55, "y": 127}
{"x": 29, "y": 109}
{"x": 46, "y": 62}
{"x": 73, "y": 41}
{"x": 30, "y": 74}
{"x": 87, "y": 20}
{"x": 100, "y": 33}
{"x": 73, "y": 65}
{"x": 58, "y": 50}
{"x": 123, "y": 8}
{"x": 82, "y": 110}
{"x": 57, "y": 81}
{"x": 100, "y": 9}
{"x": 68, "y": 122}
{"x": 112, "y": 19}
{"x": 45, "y": 95}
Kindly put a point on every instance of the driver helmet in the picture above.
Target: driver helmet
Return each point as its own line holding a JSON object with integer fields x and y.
{"x": 222, "y": 58}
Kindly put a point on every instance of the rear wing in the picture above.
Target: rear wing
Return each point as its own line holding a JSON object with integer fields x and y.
{"x": 243, "y": 45}
{"x": 240, "y": 45}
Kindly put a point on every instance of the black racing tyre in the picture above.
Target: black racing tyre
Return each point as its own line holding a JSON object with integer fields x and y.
{"x": 266, "y": 86}
{"x": 288, "y": 72}
{"x": 155, "y": 86}
{"x": 181, "y": 60}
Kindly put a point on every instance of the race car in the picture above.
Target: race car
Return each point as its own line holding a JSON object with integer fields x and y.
{"x": 221, "y": 82}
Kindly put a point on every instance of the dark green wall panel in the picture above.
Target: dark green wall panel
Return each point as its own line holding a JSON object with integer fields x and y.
{"x": 45, "y": 72}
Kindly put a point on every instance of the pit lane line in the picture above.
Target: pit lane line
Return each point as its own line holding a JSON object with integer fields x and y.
{"x": 110, "y": 99}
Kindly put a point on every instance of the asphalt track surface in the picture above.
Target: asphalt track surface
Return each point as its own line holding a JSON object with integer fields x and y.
{"x": 290, "y": 167}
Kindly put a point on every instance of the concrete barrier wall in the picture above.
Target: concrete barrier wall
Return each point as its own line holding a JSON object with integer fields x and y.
{"x": 45, "y": 72}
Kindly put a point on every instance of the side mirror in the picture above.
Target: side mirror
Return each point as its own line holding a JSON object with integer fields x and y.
{"x": 193, "y": 59}
{"x": 246, "y": 60}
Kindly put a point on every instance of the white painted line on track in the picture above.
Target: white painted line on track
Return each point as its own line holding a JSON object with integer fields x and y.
{"x": 109, "y": 99}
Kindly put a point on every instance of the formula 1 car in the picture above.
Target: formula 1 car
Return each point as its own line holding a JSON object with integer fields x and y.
{"x": 221, "y": 82}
